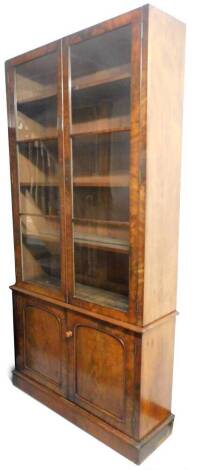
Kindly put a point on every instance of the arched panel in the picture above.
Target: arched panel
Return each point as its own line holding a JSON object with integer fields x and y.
{"x": 100, "y": 370}
{"x": 43, "y": 343}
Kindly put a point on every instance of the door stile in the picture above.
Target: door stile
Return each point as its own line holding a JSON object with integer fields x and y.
{"x": 134, "y": 169}
{"x": 142, "y": 163}
{"x": 68, "y": 165}
{"x": 10, "y": 85}
{"x": 60, "y": 129}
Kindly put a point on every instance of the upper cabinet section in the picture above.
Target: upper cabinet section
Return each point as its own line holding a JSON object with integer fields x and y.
{"x": 95, "y": 142}
{"x": 100, "y": 147}
{"x": 72, "y": 149}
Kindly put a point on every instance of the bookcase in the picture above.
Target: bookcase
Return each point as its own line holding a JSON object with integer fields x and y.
{"x": 94, "y": 122}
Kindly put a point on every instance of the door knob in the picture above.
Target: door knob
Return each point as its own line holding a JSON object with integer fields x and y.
{"x": 68, "y": 334}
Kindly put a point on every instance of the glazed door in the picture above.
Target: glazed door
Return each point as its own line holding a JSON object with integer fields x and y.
{"x": 101, "y": 370}
{"x": 100, "y": 140}
{"x": 35, "y": 96}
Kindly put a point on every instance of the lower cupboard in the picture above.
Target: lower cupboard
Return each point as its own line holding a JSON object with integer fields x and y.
{"x": 89, "y": 362}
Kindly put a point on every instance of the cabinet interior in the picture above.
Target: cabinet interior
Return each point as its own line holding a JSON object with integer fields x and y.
{"x": 100, "y": 139}
{"x": 100, "y": 145}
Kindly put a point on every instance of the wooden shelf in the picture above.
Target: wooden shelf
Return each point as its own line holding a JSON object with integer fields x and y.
{"x": 44, "y": 216}
{"x": 101, "y": 77}
{"x": 45, "y": 281}
{"x": 30, "y": 87}
{"x": 50, "y": 92}
{"x": 104, "y": 181}
{"x": 36, "y": 121}
{"x": 46, "y": 135}
{"x": 85, "y": 221}
{"x": 101, "y": 243}
{"x": 101, "y": 296}
{"x": 44, "y": 237}
{"x": 36, "y": 183}
{"x": 116, "y": 124}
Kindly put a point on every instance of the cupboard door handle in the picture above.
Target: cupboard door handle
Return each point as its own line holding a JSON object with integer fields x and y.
{"x": 68, "y": 334}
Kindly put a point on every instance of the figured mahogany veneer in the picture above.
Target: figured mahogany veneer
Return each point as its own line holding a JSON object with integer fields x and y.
{"x": 95, "y": 145}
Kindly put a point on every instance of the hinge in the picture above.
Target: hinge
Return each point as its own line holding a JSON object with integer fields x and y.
{"x": 142, "y": 29}
{"x": 59, "y": 123}
{"x": 7, "y": 73}
{"x": 142, "y": 171}
{"x": 136, "y": 306}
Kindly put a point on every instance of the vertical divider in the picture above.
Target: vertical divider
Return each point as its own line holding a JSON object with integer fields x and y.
{"x": 134, "y": 168}
{"x": 142, "y": 162}
{"x": 68, "y": 166}
{"x": 10, "y": 82}
{"x": 60, "y": 129}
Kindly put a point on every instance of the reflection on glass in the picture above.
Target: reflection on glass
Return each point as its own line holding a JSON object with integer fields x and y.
{"x": 38, "y": 177}
{"x": 100, "y": 72}
{"x": 38, "y": 169}
{"x": 40, "y": 249}
{"x": 101, "y": 218}
{"x": 100, "y": 69}
{"x": 36, "y": 99}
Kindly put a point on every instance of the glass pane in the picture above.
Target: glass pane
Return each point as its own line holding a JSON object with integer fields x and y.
{"x": 38, "y": 177}
{"x": 40, "y": 249}
{"x": 38, "y": 169}
{"x": 100, "y": 72}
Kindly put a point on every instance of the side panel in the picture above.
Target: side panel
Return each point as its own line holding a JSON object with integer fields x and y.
{"x": 166, "y": 37}
{"x": 40, "y": 344}
{"x": 156, "y": 376}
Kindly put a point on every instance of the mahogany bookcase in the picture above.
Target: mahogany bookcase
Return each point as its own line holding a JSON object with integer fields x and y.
{"x": 95, "y": 143}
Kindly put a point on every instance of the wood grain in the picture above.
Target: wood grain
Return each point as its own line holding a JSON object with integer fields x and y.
{"x": 166, "y": 38}
{"x": 40, "y": 342}
{"x": 156, "y": 376}
{"x": 134, "y": 450}
{"x": 100, "y": 372}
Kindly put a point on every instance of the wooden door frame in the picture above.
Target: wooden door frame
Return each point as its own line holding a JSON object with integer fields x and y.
{"x": 20, "y": 304}
{"x": 10, "y": 82}
{"x": 134, "y": 19}
{"x": 131, "y": 344}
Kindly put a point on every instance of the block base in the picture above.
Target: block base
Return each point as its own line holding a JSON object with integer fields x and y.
{"x": 135, "y": 451}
